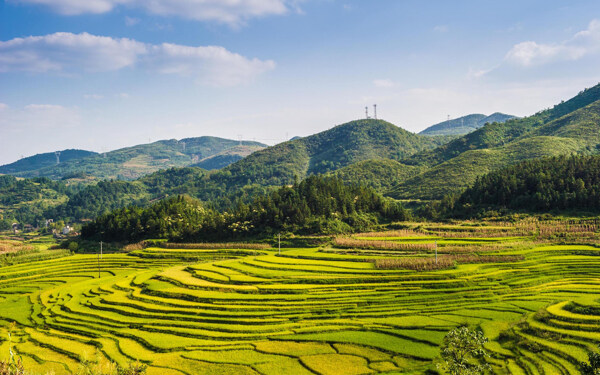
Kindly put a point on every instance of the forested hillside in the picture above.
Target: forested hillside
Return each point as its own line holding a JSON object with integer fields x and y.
{"x": 133, "y": 162}
{"x": 28, "y": 200}
{"x": 314, "y": 205}
{"x": 39, "y": 161}
{"x": 558, "y": 183}
{"x": 498, "y": 134}
{"x": 380, "y": 174}
{"x": 571, "y": 126}
{"x": 324, "y": 152}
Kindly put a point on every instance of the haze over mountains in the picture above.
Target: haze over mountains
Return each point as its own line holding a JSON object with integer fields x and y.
{"x": 466, "y": 124}
{"x": 133, "y": 162}
{"x": 372, "y": 152}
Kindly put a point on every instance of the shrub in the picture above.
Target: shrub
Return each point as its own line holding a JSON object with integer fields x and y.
{"x": 463, "y": 352}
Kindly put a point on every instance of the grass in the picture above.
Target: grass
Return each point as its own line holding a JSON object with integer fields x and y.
{"x": 227, "y": 310}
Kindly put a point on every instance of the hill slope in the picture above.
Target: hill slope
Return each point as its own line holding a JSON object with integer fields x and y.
{"x": 132, "y": 162}
{"x": 466, "y": 124}
{"x": 560, "y": 183}
{"x": 460, "y": 172}
{"x": 549, "y": 133}
{"x": 320, "y": 153}
{"x": 380, "y": 174}
{"x": 496, "y": 134}
{"x": 39, "y": 161}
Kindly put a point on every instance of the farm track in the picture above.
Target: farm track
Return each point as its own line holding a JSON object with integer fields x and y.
{"x": 306, "y": 311}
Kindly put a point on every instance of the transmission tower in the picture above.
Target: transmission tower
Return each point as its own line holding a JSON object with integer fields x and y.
{"x": 57, "y": 153}
{"x": 375, "y": 111}
{"x": 367, "y": 112}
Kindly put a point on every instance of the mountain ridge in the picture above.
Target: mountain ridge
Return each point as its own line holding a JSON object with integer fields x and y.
{"x": 465, "y": 124}
{"x": 130, "y": 163}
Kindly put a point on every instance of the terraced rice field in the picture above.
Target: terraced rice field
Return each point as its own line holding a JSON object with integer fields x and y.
{"x": 304, "y": 311}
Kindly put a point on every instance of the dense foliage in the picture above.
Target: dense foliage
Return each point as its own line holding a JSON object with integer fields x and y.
{"x": 27, "y": 200}
{"x": 380, "y": 174}
{"x": 569, "y": 127}
{"x": 565, "y": 182}
{"x": 463, "y": 352}
{"x": 33, "y": 163}
{"x": 315, "y": 205}
{"x": 498, "y": 134}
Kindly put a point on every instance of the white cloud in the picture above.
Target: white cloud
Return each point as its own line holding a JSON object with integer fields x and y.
{"x": 531, "y": 53}
{"x": 69, "y": 53}
{"x": 212, "y": 65}
{"x": 122, "y": 95}
{"x": 232, "y": 12}
{"x": 385, "y": 83}
{"x": 3, "y": 106}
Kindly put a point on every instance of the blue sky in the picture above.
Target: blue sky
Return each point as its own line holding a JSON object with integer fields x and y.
{"x": 104, "y": 74}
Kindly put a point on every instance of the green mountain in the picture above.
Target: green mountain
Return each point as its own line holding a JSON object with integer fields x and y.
{"x": 28, "y": 200}
{"x": 380, "y": 174}
{"x": 324, "y": 152}
{"x": 133, "y": 162}
{"x": 229, "y": 156}
{"x": 466, "y": 124}
{"x": 569, "y": 127}
{"x": 559, "y": 183}
{"x": 458, "y": 173}
{"x": 498, "y": 134}
{"x": 39, "y": 161}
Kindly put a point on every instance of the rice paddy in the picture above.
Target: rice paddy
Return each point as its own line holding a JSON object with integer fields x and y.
{"x": 323, "y": 310}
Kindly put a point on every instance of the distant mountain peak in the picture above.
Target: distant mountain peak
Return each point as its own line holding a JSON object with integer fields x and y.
{"x": 465, "y": 124}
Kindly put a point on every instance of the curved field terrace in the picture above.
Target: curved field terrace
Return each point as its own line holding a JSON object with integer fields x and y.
{"x": 354, "y": 306}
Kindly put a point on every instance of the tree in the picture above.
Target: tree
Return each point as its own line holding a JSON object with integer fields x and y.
{"x": 463, "y": 352}
{"x": 593, "y": 367}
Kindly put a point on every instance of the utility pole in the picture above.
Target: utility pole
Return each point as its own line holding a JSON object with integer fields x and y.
{"x": 100, "y": 249}
{"x": 279, "y": 242}
{"x": 436, "y": 252}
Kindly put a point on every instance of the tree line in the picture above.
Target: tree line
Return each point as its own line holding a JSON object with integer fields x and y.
{"x": 561, "y": 183}
{"x": 315, "y": 205}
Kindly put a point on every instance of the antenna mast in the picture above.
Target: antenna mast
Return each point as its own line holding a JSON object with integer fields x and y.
{"x": 57, "y": 153}
{"x": 375, "y": 111}
{"x": 240, "y": 138}
{"x": 367, "y": 112}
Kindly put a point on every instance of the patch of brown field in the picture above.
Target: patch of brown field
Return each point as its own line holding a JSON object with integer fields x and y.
{"x": 351, "y": 243}
{"x": 442, "y": 262}
{"x": 225, "y": 245}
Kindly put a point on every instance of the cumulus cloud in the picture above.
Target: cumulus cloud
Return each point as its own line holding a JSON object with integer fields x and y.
{"x": 531, "y": 53}
{"x": 72, "y": 53}
{"x": 233, "y": 12}
{"x": 68, "y": 52}
{"x": 385, "y": 83}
